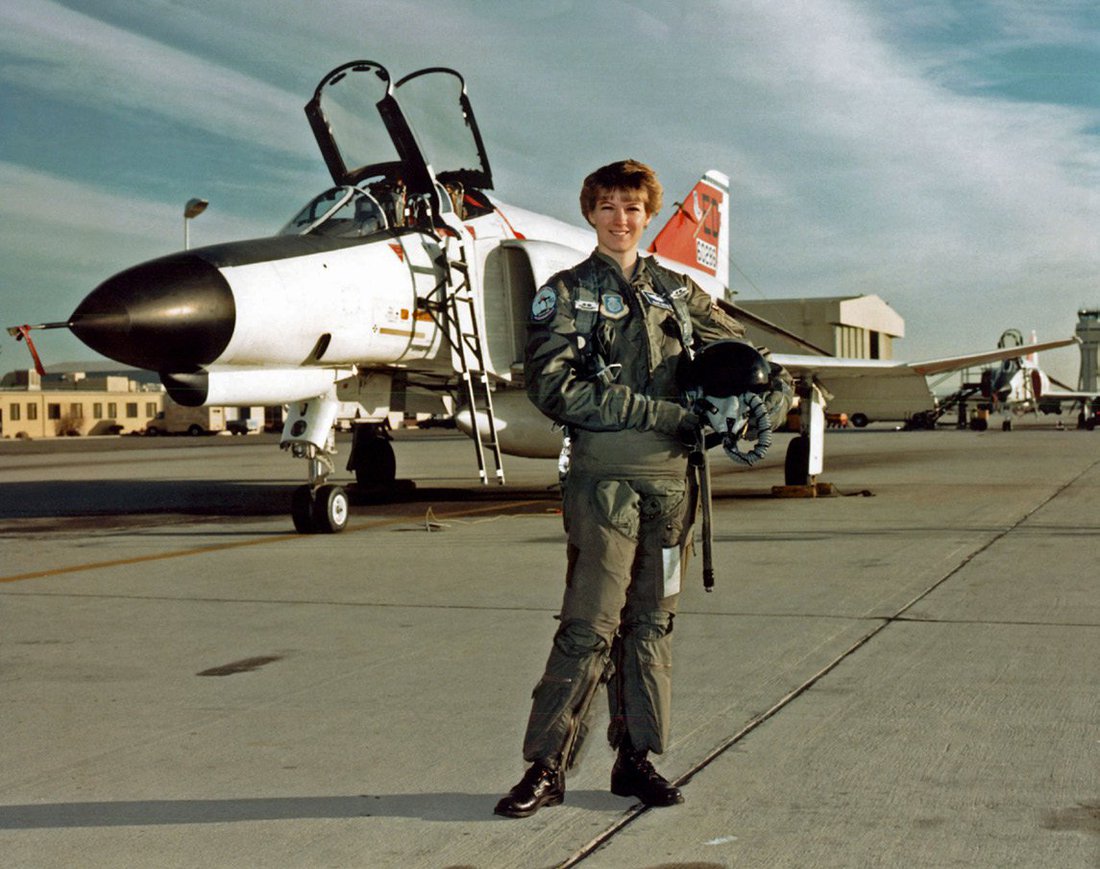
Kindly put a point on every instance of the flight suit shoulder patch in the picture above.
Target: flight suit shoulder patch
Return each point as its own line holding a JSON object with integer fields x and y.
{"x": 544, "y": 304}
{"x": 613, "y": 306}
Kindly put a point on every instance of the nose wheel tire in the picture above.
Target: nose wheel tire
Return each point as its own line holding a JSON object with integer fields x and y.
{"x": 322, "y": 510}
{"x": 330, "y": 509}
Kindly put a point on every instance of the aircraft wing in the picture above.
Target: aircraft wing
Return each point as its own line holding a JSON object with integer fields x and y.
{"x": 833, "y": 367}
{"x": 1069, "y": 395}
{"x": 954, "y": 363}
{"x": 828, "y": 368}
{"x": 886, "y": 389}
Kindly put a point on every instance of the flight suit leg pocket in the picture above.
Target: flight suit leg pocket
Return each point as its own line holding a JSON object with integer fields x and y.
{"x": 665, "y": 509}
{"x": 666, "y": 502}
{"x": 617, "y": 506}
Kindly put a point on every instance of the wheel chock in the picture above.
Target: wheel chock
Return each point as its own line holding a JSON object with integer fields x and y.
{"x": 812, "y": 490}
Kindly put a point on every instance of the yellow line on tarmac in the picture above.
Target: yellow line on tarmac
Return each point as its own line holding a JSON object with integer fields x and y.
{"x": 222, "y": 547}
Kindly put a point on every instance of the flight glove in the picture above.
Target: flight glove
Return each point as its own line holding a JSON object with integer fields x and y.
{"x": 670, "y": 418}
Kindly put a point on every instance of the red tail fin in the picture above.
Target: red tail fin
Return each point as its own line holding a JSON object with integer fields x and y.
{"x": 697, "y": 234}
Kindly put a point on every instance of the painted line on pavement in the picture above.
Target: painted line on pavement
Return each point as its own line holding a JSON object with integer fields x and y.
{"x": 240, "y": 544}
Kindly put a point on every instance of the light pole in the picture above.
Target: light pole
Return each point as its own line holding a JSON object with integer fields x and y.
{"x": 193, "y": 208}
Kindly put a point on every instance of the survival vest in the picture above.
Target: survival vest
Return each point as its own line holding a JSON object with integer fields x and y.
{"x": 586, "y": 313}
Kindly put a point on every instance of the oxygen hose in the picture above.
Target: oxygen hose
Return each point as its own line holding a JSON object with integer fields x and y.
{"x": 758, "y": 415}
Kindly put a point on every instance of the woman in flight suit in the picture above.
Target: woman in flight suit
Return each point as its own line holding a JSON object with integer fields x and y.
{"x": 605, "y": 342}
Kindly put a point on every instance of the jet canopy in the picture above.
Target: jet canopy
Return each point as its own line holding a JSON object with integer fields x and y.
{"x": 411, "y": 136}
{"x": 340, "y": 212}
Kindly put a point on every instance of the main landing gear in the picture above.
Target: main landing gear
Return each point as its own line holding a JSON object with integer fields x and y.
{"x": 372, "y": 457}
{"x": 805, "y": 453}
{"x": 796, "y": 464}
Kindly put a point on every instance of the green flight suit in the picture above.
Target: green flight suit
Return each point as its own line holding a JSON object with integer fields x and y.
{"x": 628, "y": 504}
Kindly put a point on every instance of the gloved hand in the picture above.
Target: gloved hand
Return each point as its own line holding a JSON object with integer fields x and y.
{"x": 778, "y": 399}
{"x": 687, "y": 432}
{"x": 670, "y": 418}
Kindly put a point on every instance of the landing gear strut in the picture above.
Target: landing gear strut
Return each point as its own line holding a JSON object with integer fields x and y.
{"x": 805, "y": 453}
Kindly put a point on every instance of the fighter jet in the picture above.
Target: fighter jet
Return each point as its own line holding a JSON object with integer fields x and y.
{"x": 405, "y": 281}
{"x": 1019, "y": 386}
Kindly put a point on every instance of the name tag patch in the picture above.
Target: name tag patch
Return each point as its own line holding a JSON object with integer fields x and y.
{"x": 657, "y": 301}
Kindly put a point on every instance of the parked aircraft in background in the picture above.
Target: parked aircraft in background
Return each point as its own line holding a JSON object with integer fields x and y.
{"x": 887, "y": 390}
{"x": 1019, "y": 386}
{"x": 404, "y": 282}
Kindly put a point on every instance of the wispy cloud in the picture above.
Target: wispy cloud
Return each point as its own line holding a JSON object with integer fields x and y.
{"x": 61, "y": 238}
{"x": 44, "y": 206}
{"x": 863, "y": 174}
{"x": 872, "y": 147}
{"x": 53, "y": 51}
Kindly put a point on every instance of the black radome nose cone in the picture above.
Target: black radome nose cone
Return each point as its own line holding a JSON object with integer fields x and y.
{"x": 170, "y": 314}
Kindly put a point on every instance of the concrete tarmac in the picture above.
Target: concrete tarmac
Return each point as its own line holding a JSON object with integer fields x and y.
{"x": 905, "y": 675}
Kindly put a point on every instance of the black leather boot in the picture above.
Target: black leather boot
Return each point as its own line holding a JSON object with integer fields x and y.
{"x": 540, "y": 786}
{"x": 634, "y": 776}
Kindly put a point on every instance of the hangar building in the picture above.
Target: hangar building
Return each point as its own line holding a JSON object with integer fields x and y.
{"x": 860, "y": 327}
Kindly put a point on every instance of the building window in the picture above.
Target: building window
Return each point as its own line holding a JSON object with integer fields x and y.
{"x": 112, "y": 410}
{"x": 53, "y": 411}
{"x": 131, "y": 410}
{"x": 97, "y": 410}
{"x": 13, "y": 412}
{"x": 76, "y": 410}
{"x": 32, "y": 411}
{"x": 150, "y": 409}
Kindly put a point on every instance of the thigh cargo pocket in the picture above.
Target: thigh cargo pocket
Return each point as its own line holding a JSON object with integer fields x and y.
{"x": 666, "y": 502}
{"x": 616, "y": 505}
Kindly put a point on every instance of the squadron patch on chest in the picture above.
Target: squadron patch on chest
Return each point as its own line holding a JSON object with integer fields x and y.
{"x": 543, "y": 305}
{"x": 657, "y": 301}
{"x": 612, "y": 306}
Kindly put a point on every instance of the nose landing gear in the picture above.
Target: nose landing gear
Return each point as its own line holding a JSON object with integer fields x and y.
{"x": 317, "y": 506}
{"x": 323, "y": 509}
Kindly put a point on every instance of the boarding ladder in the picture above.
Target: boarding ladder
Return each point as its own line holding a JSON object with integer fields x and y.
{"x": 957, "y": 399}
{"x": 462, "y": 326}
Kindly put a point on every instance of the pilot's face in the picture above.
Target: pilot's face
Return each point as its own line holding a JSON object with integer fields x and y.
{"x": 619, "y": 218}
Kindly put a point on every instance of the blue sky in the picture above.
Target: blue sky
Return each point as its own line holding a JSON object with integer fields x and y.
{"x": 944, "y": 154}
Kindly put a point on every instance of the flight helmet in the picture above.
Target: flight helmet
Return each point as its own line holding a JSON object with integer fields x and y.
{"x": 725, "y": 380}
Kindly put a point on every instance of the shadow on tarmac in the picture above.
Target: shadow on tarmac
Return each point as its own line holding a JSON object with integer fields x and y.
{"x": 37, "y": 500}
{"x": 88, "y": 498}
{"x": 447, "y": 807}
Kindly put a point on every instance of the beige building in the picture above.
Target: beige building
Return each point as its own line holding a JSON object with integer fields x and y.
{"x": 75, "y": 405}
{"x": 859, "y": 327}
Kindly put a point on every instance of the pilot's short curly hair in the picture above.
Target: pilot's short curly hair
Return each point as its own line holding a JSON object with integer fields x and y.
{"x": 627, "y": 175}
